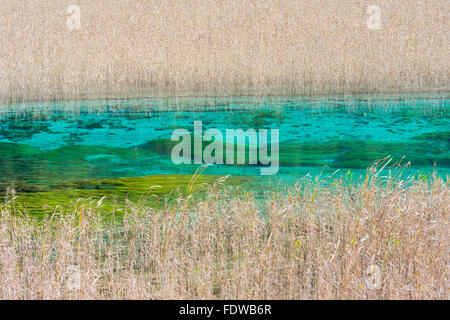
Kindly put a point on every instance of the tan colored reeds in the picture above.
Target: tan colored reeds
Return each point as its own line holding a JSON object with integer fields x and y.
{"x": 228, "y": 47}
{"x": 310, "y": 242}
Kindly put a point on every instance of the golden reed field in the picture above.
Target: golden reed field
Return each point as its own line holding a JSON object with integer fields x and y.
{"x": 226, "y": 47}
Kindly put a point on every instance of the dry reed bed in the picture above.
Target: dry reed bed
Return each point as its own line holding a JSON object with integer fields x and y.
{"x": 308, "y": 243}
{"x": 141, "y": 48}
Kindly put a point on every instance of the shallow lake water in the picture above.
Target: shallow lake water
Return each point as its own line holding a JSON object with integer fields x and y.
{"x": 50, "y": 144}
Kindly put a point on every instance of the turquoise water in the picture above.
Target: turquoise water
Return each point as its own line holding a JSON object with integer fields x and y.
{"x": 46, "y": 144}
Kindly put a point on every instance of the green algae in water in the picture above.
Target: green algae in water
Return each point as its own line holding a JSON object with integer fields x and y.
{"x": 339, "y": 154}
{"x": 153, "y": 191}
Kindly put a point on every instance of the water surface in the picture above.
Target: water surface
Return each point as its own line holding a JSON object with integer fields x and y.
{"x": 52, "y": 144}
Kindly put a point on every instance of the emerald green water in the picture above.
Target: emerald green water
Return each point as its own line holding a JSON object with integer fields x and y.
{"x": 61, "y": 145}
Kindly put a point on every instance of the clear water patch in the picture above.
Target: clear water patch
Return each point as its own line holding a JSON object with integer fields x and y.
{"x": 48, "y": 146}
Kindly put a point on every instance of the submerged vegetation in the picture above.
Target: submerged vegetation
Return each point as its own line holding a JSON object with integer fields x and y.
{"x": 311, "y": 241}
{"x": 155, "y": 190}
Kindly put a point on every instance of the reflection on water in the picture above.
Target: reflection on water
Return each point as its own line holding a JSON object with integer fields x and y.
{"x": 57, "y": 145}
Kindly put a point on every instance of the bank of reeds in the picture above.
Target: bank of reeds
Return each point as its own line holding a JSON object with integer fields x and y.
{"x": 132, "y": 48}
{"x": 375, "y": 240}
